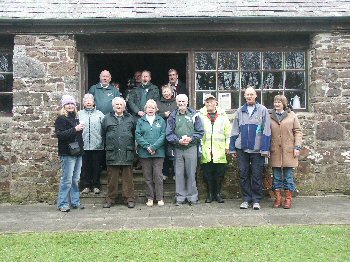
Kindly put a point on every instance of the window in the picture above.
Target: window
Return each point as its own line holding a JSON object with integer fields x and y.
{"x": 226, "y": 74}
{"x": 6, "y": 83}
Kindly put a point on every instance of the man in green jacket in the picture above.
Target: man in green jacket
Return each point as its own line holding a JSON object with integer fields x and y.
{"x": 104, "y": 93}
{"x": 141, "y": 94}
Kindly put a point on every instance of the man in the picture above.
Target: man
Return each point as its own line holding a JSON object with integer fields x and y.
{"x": 250, "y": 142}
{"x": 215, "y": 146}
{"x": 139, "y": 95}
{"x": 184, "y": 131}
{"x": 118, "y": 129}
{"x": 177, "y": 86}
{"x": 104, "y": 92}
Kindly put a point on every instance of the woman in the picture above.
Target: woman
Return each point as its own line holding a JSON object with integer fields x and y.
{"x": 69, "y": 130}
{"x": 150, "y": 137}
{"x": 286, "y": 138}
{"x": 166, "y": 105}
{"x": 93, "y": 145}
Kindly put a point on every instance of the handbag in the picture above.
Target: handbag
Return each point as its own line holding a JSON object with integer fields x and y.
{"x": 74, "y": 148}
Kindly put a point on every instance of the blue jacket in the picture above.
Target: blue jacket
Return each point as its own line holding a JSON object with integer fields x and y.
{"x": 92, "y": 133}
{"x": 252, "y": 134}
{"x": 150, "y": 136}
{"x": 198, "y": 128}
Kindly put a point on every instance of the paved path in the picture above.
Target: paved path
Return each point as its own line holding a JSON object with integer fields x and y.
{"x": 45, "y": 218}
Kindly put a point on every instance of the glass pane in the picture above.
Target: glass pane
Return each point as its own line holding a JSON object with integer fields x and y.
{"x": 272, "y": 80}
{"x": 272, "y": 60}
{"x": 228, "y": 80}
{"x": 5, "y": 63}
{"x": 228, "y": 61}
{"x": 251, "y": 79}
{"x": 296, "y": 99}
{"x": 205, "y": 81}
{"x": 6, "y": 82}
{"x": 234, "y": 100}
{"x": 6, "y": 102}
{"x": 250, "y": 60}
{"x": 268, "y": 98}
{"x": 258, "y": 97}
{"x": 206, "y": 61}
{"x": 295, "y": 80}
{"x": 199, "y": 98}
{"x": 295, "y": 60}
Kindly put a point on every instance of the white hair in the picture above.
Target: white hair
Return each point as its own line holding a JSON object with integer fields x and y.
{"x": 118, "y": 99}
{"x": 181, "y": 96}
{"x": 88, "y": 96}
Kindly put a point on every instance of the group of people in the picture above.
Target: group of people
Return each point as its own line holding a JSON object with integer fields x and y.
{"x": 166, "y": 134}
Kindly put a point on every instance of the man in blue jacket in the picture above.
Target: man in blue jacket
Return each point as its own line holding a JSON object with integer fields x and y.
{"x": 250, "y": 142}
{"x": 104, "y": 93}
{"x": 184, "y": 131}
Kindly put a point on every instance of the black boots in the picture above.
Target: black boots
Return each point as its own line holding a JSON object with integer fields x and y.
{"x": 214, "y": 190}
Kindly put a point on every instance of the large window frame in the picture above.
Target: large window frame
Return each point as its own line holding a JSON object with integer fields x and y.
{"x": 6, "y": 83}
{"x": 225, "y": 74}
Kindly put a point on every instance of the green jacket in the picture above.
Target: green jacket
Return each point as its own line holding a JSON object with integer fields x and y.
{"x": 216, "y": 136}
{"x": 135, "y": 97}
{"x": 103, "y": 97}
{"x": 150, "y": 136}
{"x": 119, "y": 139}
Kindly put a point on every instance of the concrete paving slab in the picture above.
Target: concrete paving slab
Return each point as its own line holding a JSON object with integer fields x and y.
{"x": 45, "y": 218}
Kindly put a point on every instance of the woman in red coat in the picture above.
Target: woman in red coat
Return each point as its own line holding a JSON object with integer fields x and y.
{"x": 286, "y": 137}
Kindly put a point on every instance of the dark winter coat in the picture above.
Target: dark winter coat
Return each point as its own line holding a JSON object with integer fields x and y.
{"x": 66, "y": 133}
{"x": 165, "y": 105}
{"x": 134, "y": 100}
{"x": 119, "y": 139}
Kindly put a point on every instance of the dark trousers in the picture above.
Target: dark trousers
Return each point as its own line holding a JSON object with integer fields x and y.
{"x": 91, "y": 168}
{"x": 168, "y": 166}
{"x": 251, "y": 167}
{"x": 127, "y": 183}
{"x": 152, "y": 172}
{"x": 212, "y": 170}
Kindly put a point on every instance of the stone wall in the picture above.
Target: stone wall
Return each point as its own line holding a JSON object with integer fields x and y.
{"x": 45, "y": 67}
{"x": 325, "y": 160}
{"x": 5, "y": 157}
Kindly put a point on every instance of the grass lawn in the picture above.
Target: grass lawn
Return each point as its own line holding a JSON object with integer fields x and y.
{"x": 290, "y": 243}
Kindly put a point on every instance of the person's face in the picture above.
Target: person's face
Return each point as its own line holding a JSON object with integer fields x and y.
{"x": 145, "y": 77}
{"x": 250, "y": 96}
{"x": 150, "y": 110}
{"x": 119, "y": 107}
{"x": 105, "y": 78}
{"x": 173, "y": 77}
{"x": 89, "y": 103}
{"x": 210, "y": 104}
{"x": 182, "y": 104}
{"x": 138, "y": 77}
{"x": 278, "y": 105}
{"x": 69, "y": 108}
{"x": 167, "y": 94}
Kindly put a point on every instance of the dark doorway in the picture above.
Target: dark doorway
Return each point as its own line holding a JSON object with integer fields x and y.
{"x": 123, "y": 66}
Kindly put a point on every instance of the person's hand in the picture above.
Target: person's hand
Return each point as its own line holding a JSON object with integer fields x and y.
{"x": 167, "y": 113}
{"x": 227, "y": 151}
{"x": 141, "y": 113}
{"x": 79, "y": 127}
{"x": 296, "y": 153}
{"x": 234, "y": 154}
{"x": 265, "y": 154}
{"x": 151, "y": 151}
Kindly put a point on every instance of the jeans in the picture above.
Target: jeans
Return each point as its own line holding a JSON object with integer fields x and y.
{"x": 251, "y": 166}
{"x": 288, "y": 178}
{"x": 71, "y": 167}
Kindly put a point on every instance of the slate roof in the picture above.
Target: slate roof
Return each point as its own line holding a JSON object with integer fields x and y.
{"x": 138, "y": 9}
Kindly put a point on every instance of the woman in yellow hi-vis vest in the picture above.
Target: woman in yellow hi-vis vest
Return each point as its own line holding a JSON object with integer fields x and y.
{"x": 215, "y": 147}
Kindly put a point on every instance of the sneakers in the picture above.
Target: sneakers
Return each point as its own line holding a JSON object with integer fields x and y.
{"x": 86, "y": 190}
{"x": 97, "y": 190}
{"x": 78, "y": 207}
{"x": 244, "y": 205}
{"x": 64, "y": 209}
{"x": 160, "y": 203}
{"x": 256, "y": 206}
{"x": 149, "y": 203}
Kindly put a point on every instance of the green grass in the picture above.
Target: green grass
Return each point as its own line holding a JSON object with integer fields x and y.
{"x": 291, "y": 243}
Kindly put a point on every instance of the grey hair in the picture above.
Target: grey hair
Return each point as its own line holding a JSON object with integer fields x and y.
{"x": 118, "y": 99}
{"x": 151, "y": 102}
{"x": 88, "y": 96}
{"x": 179, "y": 96}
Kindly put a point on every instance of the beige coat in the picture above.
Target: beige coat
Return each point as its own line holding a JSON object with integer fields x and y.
{"x": 285, "y": 136}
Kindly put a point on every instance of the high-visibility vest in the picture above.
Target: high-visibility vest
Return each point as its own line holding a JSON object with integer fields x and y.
{"x": 216, "y": 136}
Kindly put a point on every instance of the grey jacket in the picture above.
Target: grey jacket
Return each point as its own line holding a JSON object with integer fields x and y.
{"x": 92, "y": 133}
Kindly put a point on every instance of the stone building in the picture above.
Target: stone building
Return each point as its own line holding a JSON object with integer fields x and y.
{"x": 298, "y": 48}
